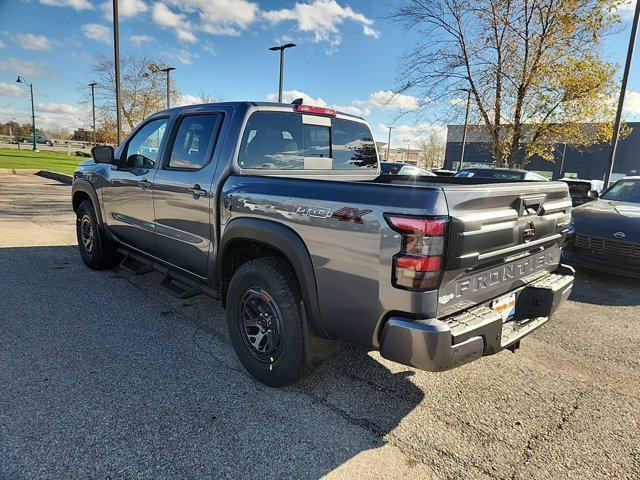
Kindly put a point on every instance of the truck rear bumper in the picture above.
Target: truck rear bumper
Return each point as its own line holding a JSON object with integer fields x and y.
{"x": 443, "y": 344}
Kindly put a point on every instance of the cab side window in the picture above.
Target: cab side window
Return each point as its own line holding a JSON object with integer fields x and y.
{"x": 142, "y": 150}
{"x": 193, "y": 144}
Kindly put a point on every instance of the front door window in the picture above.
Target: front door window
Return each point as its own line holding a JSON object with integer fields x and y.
{"x": 142, "y": 150}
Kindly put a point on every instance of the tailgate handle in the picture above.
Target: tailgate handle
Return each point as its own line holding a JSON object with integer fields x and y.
{"x": 530, "y": 204}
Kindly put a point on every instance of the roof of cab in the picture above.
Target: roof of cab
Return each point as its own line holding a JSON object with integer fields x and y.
{"x": 199, "y": 106}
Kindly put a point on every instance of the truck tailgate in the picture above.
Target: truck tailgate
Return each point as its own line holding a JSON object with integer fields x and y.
{"x": 501, "y": 236}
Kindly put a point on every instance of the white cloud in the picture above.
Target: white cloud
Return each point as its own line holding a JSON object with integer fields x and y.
{"x": 138, "y": 40}
{"x": 1, "y": 44}
{"x": 385, "y": 100}
{"x": 220, "y": 17}
{"x": 289, "y": 96}
{"x": 187, "y": 99}
{"x": 75, "y": 4}
{"x": 178, "y": 22}
{"x": 20, "y": 67}
{"x": 321, "y": 18}
{"x": 62, "y": 108}
{"x": 29, "y": 41}
{"x": 388, "y": 100}
{"x": 214, "y": 17}
{"x": 403, "y": 135}
{"x": 627, "y": 9}
{"x": 98, "y": 32}
{"x": 631, "y": 103}
{"x": 11, "y": 90}
{"x": 126, "y": 8}
{"x": 182, "y": 55}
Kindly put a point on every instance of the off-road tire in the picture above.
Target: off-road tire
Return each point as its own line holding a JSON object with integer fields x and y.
{"x": 101, "y": 254}
{"x": 275, "y": 276}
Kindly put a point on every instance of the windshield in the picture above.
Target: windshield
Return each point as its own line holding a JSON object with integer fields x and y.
{"x": 489, "y": 173}
{"x": 624, "y": 191}
{"x": 411, "y": 170}
{"x": 389, "y": 168}
{"x": 578, "y": 189}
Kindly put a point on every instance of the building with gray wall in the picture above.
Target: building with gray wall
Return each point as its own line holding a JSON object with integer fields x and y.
{"x": 580, "y": 162}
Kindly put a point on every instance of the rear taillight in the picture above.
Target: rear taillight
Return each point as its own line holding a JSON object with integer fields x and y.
{"x": 418, "y": 266}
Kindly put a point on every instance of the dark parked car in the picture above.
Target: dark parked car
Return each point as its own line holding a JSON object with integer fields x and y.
{"x": 583, "y": 191}
{"x": 41, "y": 139}
{"x": 442, "y": 172}
{"x": 501, "y": 174}
{"x": 605, "y": 234}
{"x": 398, "y": 168}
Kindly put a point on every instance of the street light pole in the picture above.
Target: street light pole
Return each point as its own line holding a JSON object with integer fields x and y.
{"x": 21, "y": 79}
{"x": 167, "y": 70}
{"x": 464, "y": 132}
{"x": 93, "y": 108}
{"x": 116, "y": 53}
{"x": 623, "y": 89}
{"x": 389, "y": 142}
{"x": 281, "y": 48}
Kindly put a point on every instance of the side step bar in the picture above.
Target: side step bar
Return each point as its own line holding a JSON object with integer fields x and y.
{"x": 174, "y": 283}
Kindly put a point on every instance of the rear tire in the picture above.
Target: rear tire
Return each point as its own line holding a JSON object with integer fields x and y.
{"x": 95, "y": 249}
{"x": 265, "y": 321}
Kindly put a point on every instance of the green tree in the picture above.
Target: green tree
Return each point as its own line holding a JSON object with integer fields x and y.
{"x": 536, "y": 69}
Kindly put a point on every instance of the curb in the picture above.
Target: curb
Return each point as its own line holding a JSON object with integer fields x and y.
{"x": 60, "y": 177}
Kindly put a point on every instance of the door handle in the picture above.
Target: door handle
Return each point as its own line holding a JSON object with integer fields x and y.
{"x": 144, "y": 184}
{"x": 197, "y": 191}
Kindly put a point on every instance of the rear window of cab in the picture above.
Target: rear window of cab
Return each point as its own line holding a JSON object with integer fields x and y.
{"x": 293, "y": 141}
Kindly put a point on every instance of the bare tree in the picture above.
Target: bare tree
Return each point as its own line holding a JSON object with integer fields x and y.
{"x": 432, "y": 149}
{"x": 536, "y": 69}
{"x": 143, "y": 91}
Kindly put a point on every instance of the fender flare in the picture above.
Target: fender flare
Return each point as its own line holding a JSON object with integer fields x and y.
{"x": 82, "y": 185}
{"x": 288, "y": 244}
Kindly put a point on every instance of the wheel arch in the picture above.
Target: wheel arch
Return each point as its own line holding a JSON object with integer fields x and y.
{"x": 269, "y": 236}
{"x": 83, "y": 190}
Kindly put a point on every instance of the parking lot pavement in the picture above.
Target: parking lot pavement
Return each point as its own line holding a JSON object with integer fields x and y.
{"x": 102, "y": 375}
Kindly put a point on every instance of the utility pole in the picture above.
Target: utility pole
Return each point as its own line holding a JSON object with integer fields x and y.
{"x": 464, "y": 132}
{"x": 116, "y": 53}
{"x": 167, "y": 70}
{"x": 389, "y": 142}
{"x": 93, "y": 108}
{"x": 281, "y": 48}
{"x": 564, "y": 153}
{"x": 623, "y": 90}
{"x": 21, "y": 79}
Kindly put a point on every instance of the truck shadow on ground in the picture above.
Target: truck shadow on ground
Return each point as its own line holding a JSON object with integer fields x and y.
{"x": 109, "y": 357}
{"x": 600, "y": 288}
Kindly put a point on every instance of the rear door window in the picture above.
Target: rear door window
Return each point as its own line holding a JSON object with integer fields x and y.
{"x": 291, "y": 141}
{"x": 193, "y": 144}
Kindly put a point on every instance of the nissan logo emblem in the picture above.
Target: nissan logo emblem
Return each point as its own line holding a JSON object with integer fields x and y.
{"x": 529, "y": 232}
{"x": 619, "y": 235}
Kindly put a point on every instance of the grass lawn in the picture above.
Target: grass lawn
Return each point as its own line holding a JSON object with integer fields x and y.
{"x": 54, "y": 162}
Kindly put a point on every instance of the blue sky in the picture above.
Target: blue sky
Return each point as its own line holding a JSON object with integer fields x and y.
{"x": 348, "y": 53}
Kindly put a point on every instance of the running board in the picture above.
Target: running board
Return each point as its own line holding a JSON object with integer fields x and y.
{"x": 174, "y": 283}
{"x": 135, "y": 266}
{"x": 179, "y": 288}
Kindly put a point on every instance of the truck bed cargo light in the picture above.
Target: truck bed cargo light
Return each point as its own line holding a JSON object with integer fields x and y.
{"x": 329, "y": 112}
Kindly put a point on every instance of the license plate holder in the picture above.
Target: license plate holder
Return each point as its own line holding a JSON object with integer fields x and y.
{"x": 505, "y": 306}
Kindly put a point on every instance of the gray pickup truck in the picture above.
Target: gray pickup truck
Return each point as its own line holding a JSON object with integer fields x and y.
{"x": 280, "y": 212}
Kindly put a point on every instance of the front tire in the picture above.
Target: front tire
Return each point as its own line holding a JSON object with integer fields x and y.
{"x": 95, "y": 249}
{"x": 264, "y": 319}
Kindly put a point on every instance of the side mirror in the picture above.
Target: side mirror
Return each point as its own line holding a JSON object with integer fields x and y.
{"x": 593, "y": 194}
{"x": 102, "y": 154}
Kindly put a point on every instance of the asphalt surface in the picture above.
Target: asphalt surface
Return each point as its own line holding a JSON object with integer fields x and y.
{"x": 103, "y": 375}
